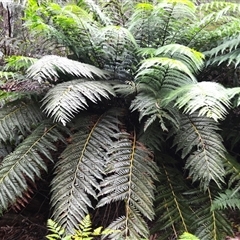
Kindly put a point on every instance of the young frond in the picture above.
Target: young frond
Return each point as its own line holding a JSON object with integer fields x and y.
{"x": 48, "y": 68}
{"x": 199, "y": 141}
{"x": 80, "y": 168}
{"x": 67, "y": 99}
{"x": 26, "y": 162}
{"x": 167, "y": 64}
{"x": 210, "y": 99}
{"x": 56, "y": 232}
{"x": 18, "y": 117}
{"x": 190, "y": 57}
{"x": 188, "y": 236}
{"x": 227, "y": 199}
{"x": 131, "y": 172}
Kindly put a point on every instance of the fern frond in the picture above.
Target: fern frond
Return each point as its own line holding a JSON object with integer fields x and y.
{"x": 172, "y": 208}
{"x": 80, "y": 168}
{"x": 98, "y": 10}
{"x": 208, "y": 98}
{"x": 150, "y": 109}
{"x": 149, "y": 137}
{"x": 8, "y": 97}
{"x": 210, "y": 224}
{"x": 6, "y": 75}
{"x": 228, "y": 44}
{"x": 19, "y": 63}
{"x": 67, "y": 99}
{"x": 190, "y": 57}
{"x": 227, "y": 199}
{"x": 18, "y": 116}
{"x": 149, "y": 34}
{"x": 26, "y": 162}
{"x": 228, "y": 51}
{"x": 233, "y": 170}
{"x": 199, "y": 141}
{"x": 49, "y": 67}
{"x": 118, "y": 51}
{"x": 131, "y": 173}
{"x": 56, "y": 231}
{"x": 148, "y": 65}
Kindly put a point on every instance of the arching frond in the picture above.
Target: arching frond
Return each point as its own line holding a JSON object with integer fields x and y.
{"x": 49, "y": 67}
{"x": 26, "y": 162}
{"x": 202, "y": 145}
{"x": 208, "y": 98}
{"x": 67, "y": 99}
{"x": 190, "y": 57}
{"x": 18, "y": 116}
{"x": 80, "y": 168}
{"x": 131, "y": 173}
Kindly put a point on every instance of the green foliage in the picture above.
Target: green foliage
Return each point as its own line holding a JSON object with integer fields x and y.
{"x": 132, "y": 170}
{"x": 84, "y": 231}
{"x": 228, "y": 199}
{"x": 62, "y": 101}
{"x": 188, "y": 236}
{"x": 140, "y": 130}
{"x": 200, "y": 143}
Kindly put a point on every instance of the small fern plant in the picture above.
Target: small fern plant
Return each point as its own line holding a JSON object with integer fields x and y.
{"x": 84, "y": 232}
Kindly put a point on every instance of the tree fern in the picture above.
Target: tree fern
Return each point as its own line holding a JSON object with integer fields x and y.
{"x": 131, "y": 173}
{"x": 26, "y": 162}
{"x": 80, "y": 168}
{"x": 202, "y": 146}
{"x": 67, "y": 99}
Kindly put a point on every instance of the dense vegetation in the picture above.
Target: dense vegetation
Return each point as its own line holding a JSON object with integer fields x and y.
{"x": 132, "y": 109}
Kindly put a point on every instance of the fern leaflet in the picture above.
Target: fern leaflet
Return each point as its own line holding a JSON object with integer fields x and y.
{"x": 131, "y": 174}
